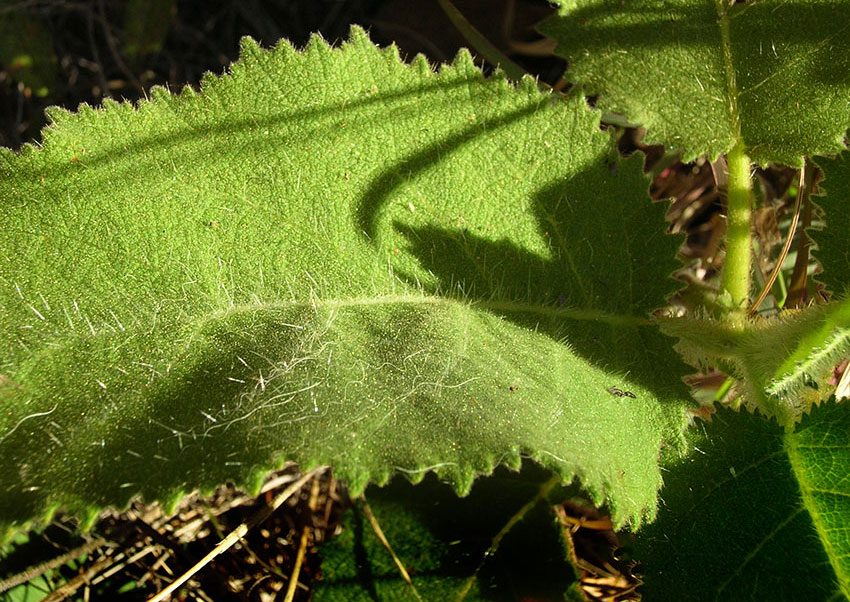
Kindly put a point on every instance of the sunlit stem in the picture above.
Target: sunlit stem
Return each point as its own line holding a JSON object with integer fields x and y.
{"x": 736, "y": 269}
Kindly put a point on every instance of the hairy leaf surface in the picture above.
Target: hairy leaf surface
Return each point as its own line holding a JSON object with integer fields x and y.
{"x": 755, "y": 514}
{"x": 783, "y": 365}
{"x": 329, "y": 256}
{"x": 701, "y": 75}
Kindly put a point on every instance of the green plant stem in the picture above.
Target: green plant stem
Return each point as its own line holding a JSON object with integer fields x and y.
{"x": 736, "y": 270}
{"x": 481, "y": 44}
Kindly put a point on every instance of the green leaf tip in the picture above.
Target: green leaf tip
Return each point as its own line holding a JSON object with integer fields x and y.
{"x": 188, "y": 297}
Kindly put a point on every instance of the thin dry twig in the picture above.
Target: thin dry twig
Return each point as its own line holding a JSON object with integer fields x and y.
{"x": 152, "y": 573}
{"x": 39, "y": 569}
{"x": 237, "y": 534}
{"x": 113, "y": 48}
{"x": 120, "y": 564}
{"x": 302, "y": 547}
{"x": 798, "y": 290}
{"x": 66, "y": 589}
{"x": 383, "y": 539}
{"x": 788, "y": 240}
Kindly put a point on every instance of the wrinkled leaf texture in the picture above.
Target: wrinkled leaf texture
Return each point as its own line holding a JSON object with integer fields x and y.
{"x": 332, "y": 257}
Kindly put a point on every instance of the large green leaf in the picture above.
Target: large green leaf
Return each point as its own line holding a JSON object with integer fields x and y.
{"x": 755, "y": 514}
{"x": 330, "y": 256}
{"x": 703, "y": 74}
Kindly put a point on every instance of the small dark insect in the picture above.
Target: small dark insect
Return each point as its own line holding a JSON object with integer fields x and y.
{"x": 620, "y": 393}
{"x": 513, "y": 388}
{"x": 809, "y": 381}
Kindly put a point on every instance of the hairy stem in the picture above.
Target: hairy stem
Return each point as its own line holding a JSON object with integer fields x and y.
{"x": 736, "y": 271}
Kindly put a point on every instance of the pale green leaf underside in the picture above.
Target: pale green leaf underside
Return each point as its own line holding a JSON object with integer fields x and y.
{"x": 329, "y": 257}
{"x": 755, "y": 514}
{"x": 783, "y": 365}
{"x": 772, "y": 73}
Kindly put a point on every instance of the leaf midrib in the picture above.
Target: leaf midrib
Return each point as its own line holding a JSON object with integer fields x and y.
{"x": 495, "y": 306}
{"x": 807, "y": 491}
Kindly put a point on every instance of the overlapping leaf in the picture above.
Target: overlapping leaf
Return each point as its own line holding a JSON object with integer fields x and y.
{"x": 833, "y": 252}
{"x": 783, "y": 364}
{"x": 755, "y": 514}
{"x": 329, "y": 256}
{"x": 701, "y": 75}
{"x": 442, "y": 541}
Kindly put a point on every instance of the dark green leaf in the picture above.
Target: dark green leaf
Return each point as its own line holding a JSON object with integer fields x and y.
{"x": 441, "y": 540}
{"x": 755, "y": 514}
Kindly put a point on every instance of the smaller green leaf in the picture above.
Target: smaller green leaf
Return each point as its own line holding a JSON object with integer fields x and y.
{"x": 732, "y": 525}
{"x": 441, "y": 539}
{"x": 782, "y": 364}
{"x": 703, "y": 75}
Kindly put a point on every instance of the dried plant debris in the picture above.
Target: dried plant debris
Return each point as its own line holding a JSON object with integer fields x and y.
{"x": 140, "y": 551}
{"x": 593, "y": 548}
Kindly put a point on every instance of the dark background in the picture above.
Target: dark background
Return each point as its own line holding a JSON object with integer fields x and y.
{"x": 65, "y": 52}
